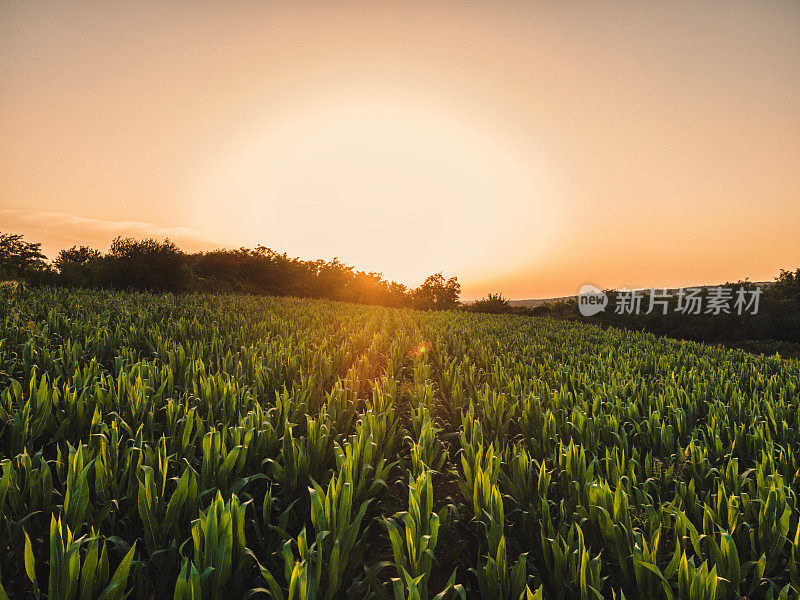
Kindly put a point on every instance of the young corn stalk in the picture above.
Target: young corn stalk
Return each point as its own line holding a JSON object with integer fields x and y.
{"x": 302, "y": 573}
{"x": 220, "y": 550}
{"x": 268, "y": 533}
{"x": 320, "y": 570}
{"x": 414, "y": 547}
{"x": 570, "y": 569}
{"x": 363, "y": 461}
{"x": 72, "y": 577}
{"x": 528, "y": 484}
{"x": 478, "y": 483}
{"x": 497, "y": 578}
{"x": 165, "y": 518}
{"x": 427, "y": 452}
{"x": 26, "y": 495}
{"x": 696, "y": 583}
{"x": 794, "y": 560}
{"x": 76, "y": 498}
{"x": 480, "y": 466}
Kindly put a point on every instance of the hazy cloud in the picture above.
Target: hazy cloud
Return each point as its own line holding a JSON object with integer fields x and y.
{"x": 62, "y": 229}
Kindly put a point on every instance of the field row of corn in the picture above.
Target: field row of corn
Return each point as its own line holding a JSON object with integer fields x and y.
{"x": 229, "y": 446}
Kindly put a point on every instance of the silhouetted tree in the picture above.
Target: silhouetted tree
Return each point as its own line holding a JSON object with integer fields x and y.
{"x": 438, "y": 293}
{"x": 20, "y": 259}
{"x": 145, "y": 265}
{"x": 79, "y": 266}
{"x": 787, "y": 286}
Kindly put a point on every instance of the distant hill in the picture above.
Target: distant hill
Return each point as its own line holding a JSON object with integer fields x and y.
{"x": 539, "y": 301}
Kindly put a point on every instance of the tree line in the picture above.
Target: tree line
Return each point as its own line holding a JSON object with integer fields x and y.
{"x": 161, "y": 266}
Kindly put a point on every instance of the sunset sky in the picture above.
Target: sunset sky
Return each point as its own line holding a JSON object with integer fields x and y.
{"x": 525, "y": 147}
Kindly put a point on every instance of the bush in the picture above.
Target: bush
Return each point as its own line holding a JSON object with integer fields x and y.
{"x": 493, "y": 303}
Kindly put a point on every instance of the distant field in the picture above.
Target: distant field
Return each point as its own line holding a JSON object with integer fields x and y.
{"x": 205, "y": 446}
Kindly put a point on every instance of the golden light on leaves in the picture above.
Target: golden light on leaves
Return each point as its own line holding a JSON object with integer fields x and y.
{"x": 420, "y": 349}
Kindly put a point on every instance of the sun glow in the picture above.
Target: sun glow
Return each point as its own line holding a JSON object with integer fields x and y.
{"x": 403, "y": 191}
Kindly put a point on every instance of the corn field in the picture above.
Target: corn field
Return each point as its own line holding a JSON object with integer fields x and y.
{"x": 203, "y": 447}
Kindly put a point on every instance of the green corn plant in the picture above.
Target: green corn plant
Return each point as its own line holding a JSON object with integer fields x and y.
{"x": 319, "y": 570}
{"x": 293, "y": 468}
{"x": 74, "y": 577}
{"x": 724, "y": 512}
{"x": 782, "y": 593}
{"x": 165, "y": 517}
{"x": 188, "y": 585}
{"x": 696, "y": 583}
{"x": 341, "y": 405}
{"x": 220, "y": 552}
{"x": 609, "y": 512}
{"x": 527, "y": 482}
{"x": 113, "y": 477}
{"x": 497, "y": 578}
{"x": 686, "y": 535}
{"x": 538, "y": 426}
{"x": 302, "y": 573}
{"x": 414, "y": 547}
{"x": 484, "y": 483}
{"x": 770, "y": 534}
{"x": 497, "y": 415}
{"x": 621, "y": 468}
{"x": 302, "y": 459}
{"x": 725, "y": 557}
{"x": 333, "y": 512}
{"x": 576, "y": 470}
{"x": 428, "y": 451}
{"x": 794, "y": 560}
{"x": 687, "y": 501}
{"x": 76, "y": 496}
{"x": 269, "y": 531}
{"x": 29, "y": 422}
{"x": 585, "y": 570}
{"x": 407, "y": 589}
{"x": 362, "y": 461}
{"x": 221, "y": 467}
{"x": 526, "y": 479}
{"x": 480, "y": 468}
{"x": 648, "y": 576}
{"x": 26, "y": 494}
{"x": 571, "y": 570}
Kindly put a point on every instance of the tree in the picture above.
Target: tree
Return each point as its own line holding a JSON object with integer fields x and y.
{"x": 20, "y": 259}
{"x": 145, "y": 265}
{"x": 437, "y": 293}
{"x": 787, "y": 286}
{"x": 79, "y": 266}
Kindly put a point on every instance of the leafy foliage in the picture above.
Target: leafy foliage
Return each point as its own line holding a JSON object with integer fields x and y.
{"x": 19, "y": 258}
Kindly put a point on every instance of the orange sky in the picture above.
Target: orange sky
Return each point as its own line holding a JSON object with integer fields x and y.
{"x": 528, "y": 148}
